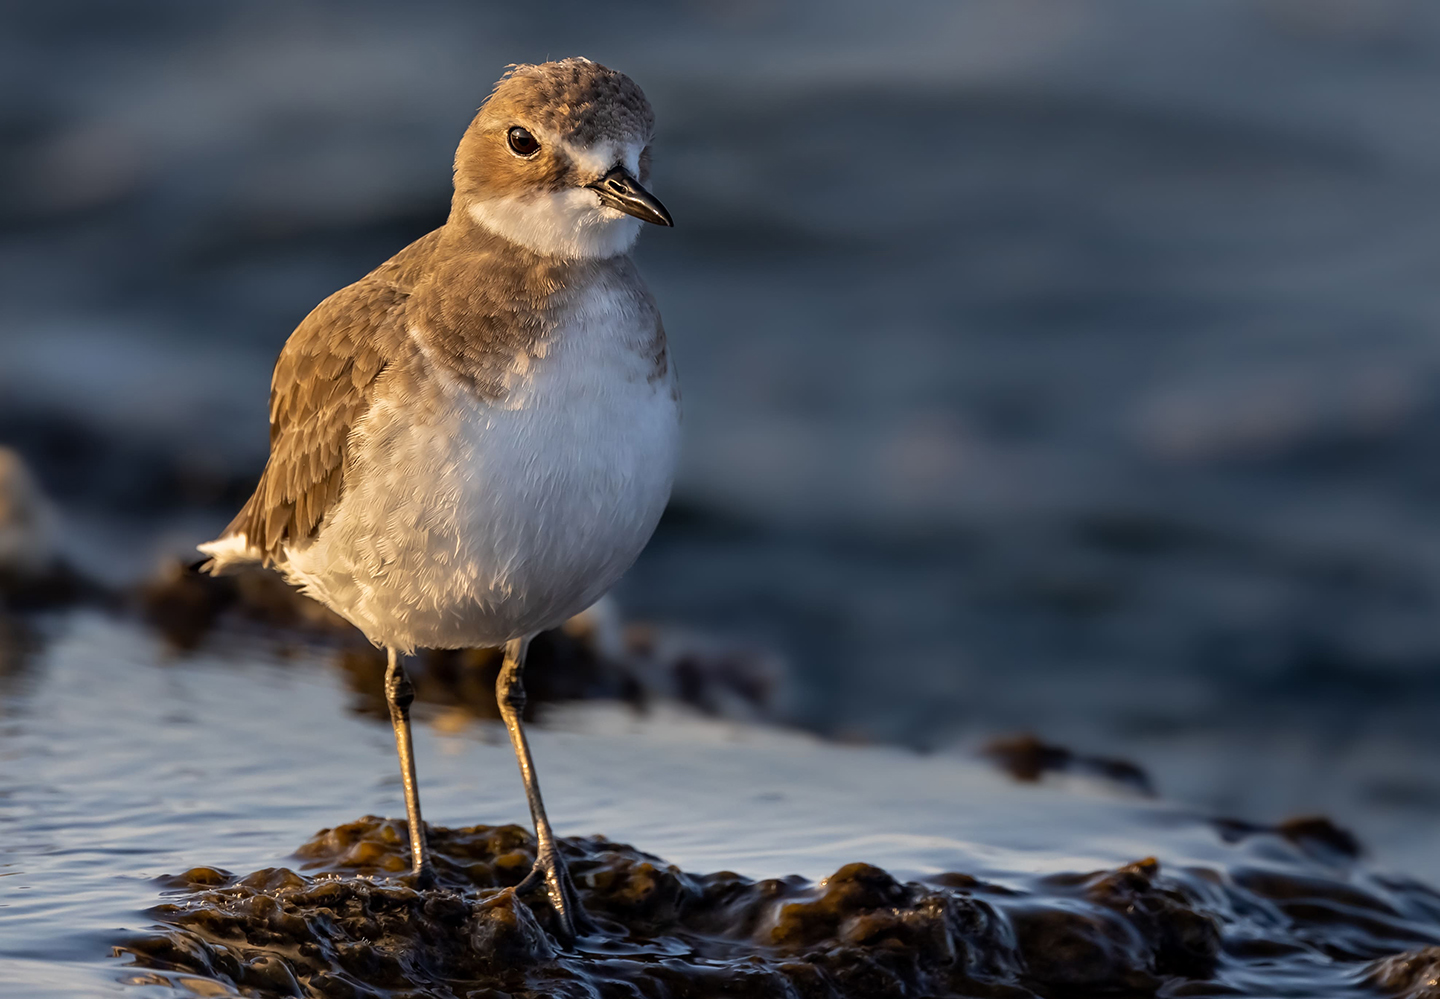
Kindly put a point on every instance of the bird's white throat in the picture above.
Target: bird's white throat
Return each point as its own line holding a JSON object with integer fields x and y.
{"x": 570, "y": 224}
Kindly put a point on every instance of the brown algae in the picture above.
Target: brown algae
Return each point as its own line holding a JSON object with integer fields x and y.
{"x": 348, "y": 924}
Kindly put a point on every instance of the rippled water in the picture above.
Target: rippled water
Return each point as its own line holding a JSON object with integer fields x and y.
{"x": 125, "y": 763}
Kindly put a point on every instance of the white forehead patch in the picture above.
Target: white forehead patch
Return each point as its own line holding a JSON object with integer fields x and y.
{"x": 596, "y": 161}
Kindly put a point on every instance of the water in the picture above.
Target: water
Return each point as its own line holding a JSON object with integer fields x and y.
{"x": 127, "y": 764}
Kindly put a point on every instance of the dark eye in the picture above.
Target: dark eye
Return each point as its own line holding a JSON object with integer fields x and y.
{"x": 522, "y": 143}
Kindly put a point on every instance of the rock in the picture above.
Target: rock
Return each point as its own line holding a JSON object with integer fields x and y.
{"x": 1413, "y": 975}
{"x": 1027, "y": 759}
{"x": 28, "y": 521}
{"x": 337, "y": 927}
{"x": 185, "y": 605}
{"x": 33, "y": 576}
{"x": 1315, "y": 835}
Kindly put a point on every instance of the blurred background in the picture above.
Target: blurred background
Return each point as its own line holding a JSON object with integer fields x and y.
{"x": 1055, "y": 366}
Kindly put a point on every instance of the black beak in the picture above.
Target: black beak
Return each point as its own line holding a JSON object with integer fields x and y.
{"x": 620, "y": 191}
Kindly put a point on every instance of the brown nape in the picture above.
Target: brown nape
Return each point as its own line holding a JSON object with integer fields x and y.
{"x": 575, "y": 99}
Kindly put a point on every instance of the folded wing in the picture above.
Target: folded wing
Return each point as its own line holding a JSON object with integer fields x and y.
{"x": 324, "y": 382}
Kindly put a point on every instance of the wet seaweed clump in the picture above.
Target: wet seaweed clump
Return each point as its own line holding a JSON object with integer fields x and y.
{"x": 1316, "y": 835}
{"x": 348, "y": 924}
{"x": 1026, "y": 758}
{"x": 346, "y": 921}
{"x": 1413, "y": 975}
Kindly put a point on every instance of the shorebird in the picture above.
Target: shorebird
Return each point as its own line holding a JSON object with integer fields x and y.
{"x": 471, "y": 443}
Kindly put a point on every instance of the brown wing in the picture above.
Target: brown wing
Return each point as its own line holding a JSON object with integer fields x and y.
{"x": 323, "y": 384}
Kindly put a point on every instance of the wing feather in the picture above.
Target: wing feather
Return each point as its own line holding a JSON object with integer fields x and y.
{"x": 324, "y": 382}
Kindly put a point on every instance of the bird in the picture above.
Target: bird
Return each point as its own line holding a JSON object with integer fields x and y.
{"x": 470, "y": 444}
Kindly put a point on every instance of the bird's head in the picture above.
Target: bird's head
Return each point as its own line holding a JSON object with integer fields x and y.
{"x": 557, "y": 160}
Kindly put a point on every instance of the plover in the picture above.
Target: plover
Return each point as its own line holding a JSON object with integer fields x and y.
{"x": 471, "y": 443}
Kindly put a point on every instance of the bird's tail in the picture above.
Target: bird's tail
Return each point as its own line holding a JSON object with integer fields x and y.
{"x": 227, "y": 554}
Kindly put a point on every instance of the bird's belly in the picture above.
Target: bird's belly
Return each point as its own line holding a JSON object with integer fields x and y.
{"x": 472, "y": 523}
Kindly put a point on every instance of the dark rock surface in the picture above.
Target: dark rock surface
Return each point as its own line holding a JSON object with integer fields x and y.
{"x": 1026, "y": 758}
{"x": 347, "y": 923}
{"x": 1414, "y": 975}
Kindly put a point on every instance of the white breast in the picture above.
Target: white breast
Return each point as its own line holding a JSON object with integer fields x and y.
{"x": 466, "y": 523}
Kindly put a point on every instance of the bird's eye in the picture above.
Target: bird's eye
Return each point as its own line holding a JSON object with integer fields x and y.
{"x": 522, "y": 143}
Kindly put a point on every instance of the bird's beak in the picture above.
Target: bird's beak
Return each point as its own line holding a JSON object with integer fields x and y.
{"x": 620, "y": 191}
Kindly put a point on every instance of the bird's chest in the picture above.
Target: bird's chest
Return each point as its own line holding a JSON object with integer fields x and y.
{"x": 584, "y": 439}
{"x": 552, "y": 489}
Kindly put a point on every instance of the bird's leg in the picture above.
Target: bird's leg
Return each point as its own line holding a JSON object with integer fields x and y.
{"x": 549, "y": 865}
{"x": 399, "y": 694}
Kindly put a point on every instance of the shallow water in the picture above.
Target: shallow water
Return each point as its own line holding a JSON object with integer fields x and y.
{"x": 125, "y": 763}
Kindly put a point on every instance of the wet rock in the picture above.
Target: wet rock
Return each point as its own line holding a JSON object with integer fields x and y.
{"x": 32, "y": 573}
{"x": 559, "y": 667}
{"x": 1414, "y": 975}
{"x": 183, "y": 605}
{"x": 1085, "y": 951}
{"x": 199, "y": 877}
{"x": 349, "y": 923}
{"x": 1027, "y": 759}
{"x": 27, "y": 520}
{"x": 1320, "y": 831}
{"x": 1315, "y": 835}
{"x": 186, "y": 605}
{"x": 851, "y": 892}
{"x": 506, "y": 936}
{"x": 1140, "y": 928}
{"x": 717, "y": 678}
{"x": 470, "y": 857}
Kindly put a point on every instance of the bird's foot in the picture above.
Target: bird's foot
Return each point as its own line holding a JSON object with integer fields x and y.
{"x": 423, "y": 877}
{"x": 550, "y": 871}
